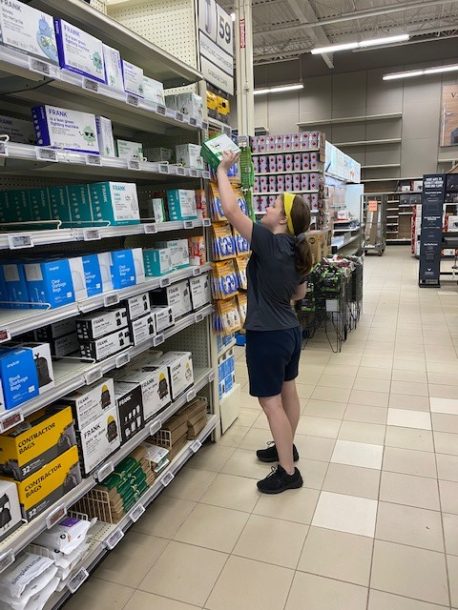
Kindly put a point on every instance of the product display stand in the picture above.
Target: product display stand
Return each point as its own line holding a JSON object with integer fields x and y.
{"x": 375, "y": 229}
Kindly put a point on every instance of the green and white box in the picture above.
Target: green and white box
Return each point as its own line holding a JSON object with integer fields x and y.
{"x": 153, "y": 90}
{"x": 133, "y": 78}
{"x": 113, "y": 68}
{"x": 129, "y": 150}
{"x": 182, "y": 204}
{"x": 179, "y": 252}
{"x": 105, "y": 136}
{"x": 189, "y": 156}
{"x": 157, "y": 261}
{"x": 212, "y": 150}
{"x": 116, "y": 202}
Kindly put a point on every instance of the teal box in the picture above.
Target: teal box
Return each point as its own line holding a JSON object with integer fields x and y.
{"x": 38, "y": 204}
{"x": 115, "y": 202}
{"x": 79, "y": 202}
{"x": 3, "y": 206}
{"x": 17, "y": 208}
{"x": 58, "y": 200}
{"x": 157, "y": 261}
{"x": 182, "y": 204}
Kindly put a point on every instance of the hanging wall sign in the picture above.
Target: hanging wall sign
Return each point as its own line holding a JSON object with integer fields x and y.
{"x": 432, "y": 203}
{"x": 216, "y": 43}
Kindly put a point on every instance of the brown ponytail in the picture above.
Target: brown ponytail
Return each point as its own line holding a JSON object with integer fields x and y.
{"x": 300, "y": 217}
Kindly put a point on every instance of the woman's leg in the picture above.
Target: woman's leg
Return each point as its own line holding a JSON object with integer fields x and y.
{"x": 281, "y": 430}
{"x": 291, "y": 404}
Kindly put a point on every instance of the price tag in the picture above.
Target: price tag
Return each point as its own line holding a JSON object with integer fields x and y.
{"x": 57, "y": 515}
{"x": 78, "y": 580}
{"x": 188, "y": 224}
{"x": 39, "y": 66}
{"x": 180, "y": 117}
{"x": 6, "y": 559}
{"x": 211, "y": 376}
{"x": 196, "y": 446}
{"x": 158, "y": 339}
{"x": 20, "y": 241}
{"x": 11, "y": 419}
{"x": 46, "y": 154}
{"x": 94, "y": 160}
{"x": 181, "y": 171}
{"x": 105, "y": 471}
{"x": 199, "y": 317}
{"x": 194, "y": 173}
{"x": 155, "y": 427}
{"x": 133, "y": 100}
{"x": 161, "y": 110}
{"x": 196, "y": 271}
{"x": 163, "y": 168}
{"x": 192, "y": 121}
{"x": 191, "y": 395}
{"x": 207, "y": 222}
{"x": 150, "y": 228}
{"x": 92, "y": 376}
{"x": 206, "y": 175}
{"x": 90, "y": 85}
{"x": 167, "y": 479}
{"x": 165, "y": 281}
{"x": 3, "y": 149}
{"x": 114, "y": 539}
{"x": 122, "y": 360}
{"x": 134, "y": 164}
{"x": 136, "y": 513}
{"x": 5, "y": 335}
{"x": 91, "y": 234}
{"x": 111, "y": 299}
{"x": 169, "y": 112}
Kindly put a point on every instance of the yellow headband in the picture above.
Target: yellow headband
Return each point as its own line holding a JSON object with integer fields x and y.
{"x": 288, "y": 200}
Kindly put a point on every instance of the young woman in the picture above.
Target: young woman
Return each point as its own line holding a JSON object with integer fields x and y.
{"x": 280, "y": 260}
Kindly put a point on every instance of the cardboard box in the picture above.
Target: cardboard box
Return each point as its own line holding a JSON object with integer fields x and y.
{"x": 35, "y": 442}
{"x": 48, "y": 485}
{"x": 179, "y": 369}
{"x": 196, "y": 426}
{"x": 138, "y": 306}
{"x": 133, "y": 78}
{"x": 41, "y": 353}
{"x": 50, "y": 282}
{"x": 176, "y": 296}
{"x": 163, "y": 318}
{"x": 113, "y": 68}
{"x": 10, "y": 510}
{"x": 129, "y": 402}
{"x": 27, "y": 30}
{"x": 182, "y": 204}
{"x": 142, "y": 329}
{"x": 200, "y": 290}
{"x": 105, "y": 136}
{"x": 129, "y": 150}
{"x": 56, "y": 330}
{"x": 178, "y": 446}
{"x": 189, "y": 156}
{"x": 79, "y": 52}
{"x": 102, "y": 348}
{"x": 154, "y": 386}
{"x": 101, "y": 323}
{"x": 90, "y": 402}
{"x": 157, "y": 261}
{"x": 18, "y": 376}
{"x": 65, "y": 129}
{"x": 98, "y": 440}
{"x": 116, "y": 202}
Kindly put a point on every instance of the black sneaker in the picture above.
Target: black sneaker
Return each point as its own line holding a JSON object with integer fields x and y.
{"x": 271, "y": 454}
{"x": 279, "y": 480}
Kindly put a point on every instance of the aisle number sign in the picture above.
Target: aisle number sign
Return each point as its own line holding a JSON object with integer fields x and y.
{"x": 373, "y": 205}
{"x": 216, "y": 42}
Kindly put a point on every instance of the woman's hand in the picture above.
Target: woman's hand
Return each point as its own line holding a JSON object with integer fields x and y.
{"x": 229, "y": 158}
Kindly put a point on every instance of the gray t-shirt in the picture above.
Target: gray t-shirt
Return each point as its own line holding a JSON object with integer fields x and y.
{"x": 272, "y": 281}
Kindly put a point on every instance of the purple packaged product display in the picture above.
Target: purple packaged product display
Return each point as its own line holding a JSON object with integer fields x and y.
{"x": 305, "y": 183}
{"x": 297, "y": 182}
{"x": 272, "y": 184}
{"x": 280, "y": 183}
{"x": 297, "y": 162}
{"x": 271, "y": 200}
{"x": 296, "y": 141}
{"x": 314, "y": 182}
{"x": 305, "y": 161}
{"x": 288, "y": 182}
{"x": 280, "y": 163}
{"x": 287, "y": 139}
{"x": 272, "y": 163}
{"x": 256, "y": 184}
{"x": 314, "y": 201}
{"x": 305, "y": 140}
{"x": 288, "y": 163}
{"x": 262, "y": 144}
{"x": 307, "y": 198}
{"x": 256, "y": 164}
{"x": 271, "y": 144}
{"x": 314, "y": 140}
{"x": 279, "y": 143}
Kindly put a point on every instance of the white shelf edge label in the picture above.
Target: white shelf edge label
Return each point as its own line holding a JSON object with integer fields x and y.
{"x": 196, "y": 446}
{"x": 206, "y": 175}
{"x": 92, "y": 376}
{"x": 6, "y": 559}
{"x": 5, "y": 335}
{"x": 57, "y": 515}
{"x": 192, "y": 121}
{"x": 105, "y": 471}
{"x": 158, "y": 339}
{"x": 161, "y": 109}
{"x": 11, "y": 419}
{"x": 191, "y": 395}
{"x": 170, "y": 113}
{"x": 163, "y": 169}
{"x": 167, "y": 479}
{"x": 3, "y": 149}
{"x": 39, "y": 66}
{"x": 196, "y": 271}
{"x": 90, "y": 85}
{"x": 155, "y": 427}
{"x": 150, "y": 228}
{"x": 165, "y": 281}
{"x": 111, "y": 299}
{"x": 199, "y": 317}
{"x": 188, "y": 224}
{"x": 207, "y": 222}
{"x": 133, "y": 100}
{"x": 134, "y": 164}
{"x": 94, "y": 160}
{"x": 136, "y": 513}
{"x": 181, "y": 171}
{"x": 91, "y": 234}
{"x": 46, "y": 154}
{"x": 194, "y": 173}
{"x": 114, "y": 539}
{"x": 20, "y": 241}
{"x": 76, "y": 582}
{"x": 179, "y": 117}
{"x": 211, "y": 376}
{"x": 122, "y": 359}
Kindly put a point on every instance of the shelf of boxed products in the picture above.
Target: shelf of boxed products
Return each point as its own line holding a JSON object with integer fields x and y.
{"x": 284, "y": 152}
{"x": 73, "y": 91}
{"x": 281, "y": 192}
{"x": 106, "y": 536}
{"x": 226, "y": 348}
{"x": 71, "y": 373}
{"x": 11, "y": 546}
{"x": 28, "y": 239}
{"x": 342, "y": 242}
{"x": 219, "y": 125}
{"x": 289, "y": 172}
{"x": 15, "y": 322}
{"x": 75, "y": 163}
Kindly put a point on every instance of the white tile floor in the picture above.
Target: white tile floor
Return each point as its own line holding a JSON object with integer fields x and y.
{"x": 375, "y": 526}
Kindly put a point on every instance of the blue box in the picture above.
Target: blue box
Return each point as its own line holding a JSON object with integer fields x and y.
{"x": 92, "y": 275}
{"x": 16, "y": 286}
{"x": 79, "y": 52}
{"x": 125, "y": 267}
{"x": 19, "y": 376}
{"x": 50, "y": 282}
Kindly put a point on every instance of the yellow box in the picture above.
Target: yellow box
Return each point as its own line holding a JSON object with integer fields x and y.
{"x": 212, "y": 101}
{"x": 42, "y": 489}
{"x": 38, "y": 440}
{"x": 223, "y": 106}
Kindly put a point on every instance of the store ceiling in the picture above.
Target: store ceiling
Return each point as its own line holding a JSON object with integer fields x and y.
{"x": 287, "y": 29}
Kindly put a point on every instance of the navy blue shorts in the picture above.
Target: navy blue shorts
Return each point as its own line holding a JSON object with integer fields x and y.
{"x": 272, "y": 357}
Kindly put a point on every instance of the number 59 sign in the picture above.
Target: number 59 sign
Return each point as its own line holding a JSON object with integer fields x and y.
{"x": 216, "y": 44}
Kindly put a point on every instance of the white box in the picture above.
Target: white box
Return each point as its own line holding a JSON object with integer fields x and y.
{"x": 452, "y": 223}
{"x": 163, "y": 318}
{"x": 133, "y": 78}
{"x": 176, "y": 296}
{"x": 160, "y": 154}
{"x": 90, "y": 402}
{"x": 138, "y": 306}
{"x": 67, "y": 129}
{"x": 153, "y": 90}
{"x": 102, "y": 348}
{"x": 43, "y": 363}
{"x": 200, "y": 291}
{"x": 78, "y": 278}
{"x": 113, "y": 68}
{"x": 105, "y": 136}
{"x": 179, "y": 252}
{"x": 189, "y": 155}
{"x": 129, "y": 150}
{"x": 142, "y": 329}
{"x": 101, "y": 323}
{"x": 155, "y": 388}
{"x": 79, "y": 51}
{"x": 28, "y": 30}
{"x": 180, "y": 371}
{"x": 100, "y": 439}
{"x": 17, "y": 130}
{"x": 10, "y": 510}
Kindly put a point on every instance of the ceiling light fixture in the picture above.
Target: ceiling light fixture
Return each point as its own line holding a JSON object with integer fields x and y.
{"x": 280, "y": 89}
{"x": 424, "y": 72}
{"x": 371, "y": 42}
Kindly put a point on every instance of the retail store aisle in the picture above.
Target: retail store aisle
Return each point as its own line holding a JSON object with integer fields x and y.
{"x": 376, "y": 525}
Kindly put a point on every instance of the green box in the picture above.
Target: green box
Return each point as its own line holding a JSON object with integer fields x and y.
{"x": 58, "y": 200}
{"x": 115, "y": 202}
{"x": 212, "y": 150}
{"x": 157, "y": 261}
{"x": 39, "y": 204}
